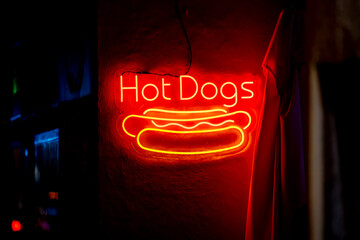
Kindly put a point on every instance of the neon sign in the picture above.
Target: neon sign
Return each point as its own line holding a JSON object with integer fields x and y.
{"x": 184, "y": 116}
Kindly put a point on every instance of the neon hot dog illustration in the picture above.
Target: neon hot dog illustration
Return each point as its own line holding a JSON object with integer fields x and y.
{"x": 188, "y": 132}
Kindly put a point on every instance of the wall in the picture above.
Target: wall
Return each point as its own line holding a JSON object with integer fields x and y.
{"x": 193, "y": 199}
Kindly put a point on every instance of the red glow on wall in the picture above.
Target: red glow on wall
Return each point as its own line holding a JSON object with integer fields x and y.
{"x": 187, "y": 115}
{"x": 16, "y": 226}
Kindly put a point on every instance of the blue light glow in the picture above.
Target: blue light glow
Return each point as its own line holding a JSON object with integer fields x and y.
{"x": 52, "y": 135}
{"x": 51, "y": 211}
{"x": 15, "y": 117}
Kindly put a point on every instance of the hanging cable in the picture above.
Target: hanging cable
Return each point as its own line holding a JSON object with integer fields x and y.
{"x": 178, "y": 14}
{"x": 185, "y": 33}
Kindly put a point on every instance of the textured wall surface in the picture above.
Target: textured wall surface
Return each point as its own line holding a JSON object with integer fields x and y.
{"x": 175, "y": 200}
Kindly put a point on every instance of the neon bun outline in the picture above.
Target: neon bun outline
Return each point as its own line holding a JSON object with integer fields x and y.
{"x": 186, "y": 131}
{"x": 182, "y": 119}
{"x": 191, "y": 132}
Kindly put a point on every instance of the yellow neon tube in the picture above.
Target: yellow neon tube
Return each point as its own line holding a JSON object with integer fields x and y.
{"x": 183, "y": 119}
{"x": 190, "y": 132}
{"x": 194, "y": 111}
{"x": 196, "y": 125}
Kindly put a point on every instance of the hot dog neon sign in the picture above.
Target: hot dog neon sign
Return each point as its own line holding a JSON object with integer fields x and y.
{"x": 184, "y": 116}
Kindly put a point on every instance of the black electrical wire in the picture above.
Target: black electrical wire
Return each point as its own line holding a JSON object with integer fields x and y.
{"x": 178, "y": 14}
{"x": 185, "y": 33}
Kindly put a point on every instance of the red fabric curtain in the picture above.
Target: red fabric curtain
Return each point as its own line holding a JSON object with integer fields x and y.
{"x": 277, "y": 197}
